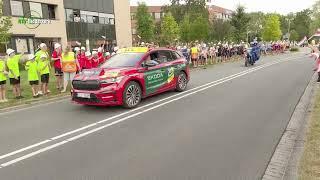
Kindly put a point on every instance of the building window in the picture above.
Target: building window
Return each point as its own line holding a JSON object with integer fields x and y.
{"x": 102, "y": 20}
{"x": 35, "y": 9}
{"x": 69, "y": 15}
{"x": 76, "y": 15}
{"x": 157, "y": 16}
{"x": 51, "y": 10}
{"x": 133, "y": 16}
{"x": 16, "y": 8}
{"x": 111, "y": 21}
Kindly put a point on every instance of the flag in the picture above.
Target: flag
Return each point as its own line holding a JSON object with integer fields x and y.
{"x": 302, "y": 41}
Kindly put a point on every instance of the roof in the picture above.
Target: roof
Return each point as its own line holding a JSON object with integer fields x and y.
{"x": 156, "y": 9}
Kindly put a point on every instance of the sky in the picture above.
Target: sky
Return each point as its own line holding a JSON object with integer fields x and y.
{"x": 279, "y": 6}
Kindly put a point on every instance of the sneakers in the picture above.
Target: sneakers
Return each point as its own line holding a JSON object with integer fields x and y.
{"x": 40, "y": 93}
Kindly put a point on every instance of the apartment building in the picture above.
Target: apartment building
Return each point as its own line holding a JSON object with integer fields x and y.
{"x": 70, "y": 22}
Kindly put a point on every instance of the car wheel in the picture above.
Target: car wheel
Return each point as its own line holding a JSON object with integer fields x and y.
{"x": 132, "y": 95}
{"x": 182, "y": 82}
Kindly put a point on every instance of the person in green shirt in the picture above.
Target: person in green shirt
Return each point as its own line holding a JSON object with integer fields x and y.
{"x": 3, "y": 81}
{"x": 44, "y": 71}
{"x": 14, "y": 72}
{"x": 33, "y": 78}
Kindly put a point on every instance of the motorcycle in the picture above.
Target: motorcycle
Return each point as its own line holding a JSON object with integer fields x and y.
{"x": 253, "y": 55}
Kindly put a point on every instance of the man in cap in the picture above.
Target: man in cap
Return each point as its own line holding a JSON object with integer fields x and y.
{"x": 14, "y": 72}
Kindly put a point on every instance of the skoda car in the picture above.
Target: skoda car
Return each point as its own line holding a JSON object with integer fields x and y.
{"x": 131, "y": 75}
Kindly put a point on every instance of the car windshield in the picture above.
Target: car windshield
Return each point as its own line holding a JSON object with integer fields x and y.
{"x": 123, "y": 60}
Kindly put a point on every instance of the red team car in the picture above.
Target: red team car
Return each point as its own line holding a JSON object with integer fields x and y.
{"x": 129, "y": 76}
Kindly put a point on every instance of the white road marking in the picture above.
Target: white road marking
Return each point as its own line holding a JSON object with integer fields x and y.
{"x": 206, "y": 86}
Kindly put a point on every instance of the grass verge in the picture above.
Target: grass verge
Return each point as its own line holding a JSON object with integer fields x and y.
{"x": 27, "y": 93}
{"x": 309, "y": 168}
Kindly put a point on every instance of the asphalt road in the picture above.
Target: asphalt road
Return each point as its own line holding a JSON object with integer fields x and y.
{"x": 220, "y": 129}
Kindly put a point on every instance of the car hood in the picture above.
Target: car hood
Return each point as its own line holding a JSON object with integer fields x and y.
{"x": 97, "y": 73}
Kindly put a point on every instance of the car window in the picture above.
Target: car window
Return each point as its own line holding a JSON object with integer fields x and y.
{"x": 123, "y": 60}
{"x": 165, "y": 56}
{"x": 175, "y": 55}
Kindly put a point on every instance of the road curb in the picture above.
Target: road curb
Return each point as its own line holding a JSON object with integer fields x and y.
{"x": 35, "y": 103}
{"x": 277, "y": 167}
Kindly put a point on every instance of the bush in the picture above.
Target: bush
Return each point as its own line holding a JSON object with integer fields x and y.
{"x": 294, "y": 49}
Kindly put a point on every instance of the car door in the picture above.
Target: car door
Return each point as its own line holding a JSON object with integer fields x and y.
{"x": 174, "y": 66}
{"x": 155, "y": 77}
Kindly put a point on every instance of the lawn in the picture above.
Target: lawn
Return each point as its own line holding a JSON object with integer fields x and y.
{"x": 309, "y": 168}
{"x": 27, "y": 93}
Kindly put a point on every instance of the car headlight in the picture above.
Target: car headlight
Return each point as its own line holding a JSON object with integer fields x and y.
{"x": 112, "y": 80}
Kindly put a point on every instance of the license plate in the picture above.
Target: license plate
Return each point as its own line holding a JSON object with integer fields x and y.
{"x": 83, "y": 95}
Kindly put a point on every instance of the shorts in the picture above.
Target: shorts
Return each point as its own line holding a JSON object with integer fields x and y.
{"x": 68, "y": 76}
{"x": 3, "y": 82}
{"x": 14, "y": 81}
{"x": 58, "y": 72}
{"x": 45, "y": 78}
{"x": 33, "y": 83}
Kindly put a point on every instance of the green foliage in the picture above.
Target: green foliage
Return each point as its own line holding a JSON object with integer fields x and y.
{"x": 5, "y": 25}
{"x": 294, "y": 36}
{"x": 239, "y": 21}
{"x": 301, "y": 23}
{"x": 169, "y": 29}
{"x": 185, "y": 29}
{"x": 193, "y": 8}
{"x": 294, "y": 49}
{"x": 145, "y": 23}
{"x": 221, "y": 30}
{"x": 199, "y": 29}
{"x": 272, "y": 31}
{"x": 255, "y": 25}
{"x": 315, "y": 17}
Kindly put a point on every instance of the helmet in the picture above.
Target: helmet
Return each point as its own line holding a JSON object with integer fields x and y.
{"x": 76, "y": 49}
{"x": 57, "y": 45}
{"x": 42, "y": 45}
{"x": 10, "y": 51}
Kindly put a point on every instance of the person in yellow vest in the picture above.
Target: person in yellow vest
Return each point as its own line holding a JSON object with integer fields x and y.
{"x": 194, "y": 56}
{"x": 69, "y": 67}
{"x": 33, "y": 78}
{"x": 3, "y": 81}
{"x": 43, "y": 51}
{"x": 44, "y": 71}
{"x": 13, "y": 62}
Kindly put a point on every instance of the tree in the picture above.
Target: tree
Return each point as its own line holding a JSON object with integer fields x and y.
{"x": 294, "y": 36}
{"x": 199, "y": 29}
{"x": 301, "y": 23}
{"x": 5, "y": 26}
{"x": 145, "y": 24}
{"x": 221, "y": 30}
{"x": 169, "y": 29}
{"x": 180, "y": 8}
{"x": 272, "y": 31}
{"x": 240, "y": 22}
{"x": 255, "y": 24}
{"x": 315, "y": 17}
{"x": 185, "y": 29}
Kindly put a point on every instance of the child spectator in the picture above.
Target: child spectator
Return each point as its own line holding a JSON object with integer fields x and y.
{"x": 95, "y": 59}
{"x": 3, "y": 81}
{"x": 44, "y": 71}
{"x": 33, "y": 78}
{"x": 14, "y": 72}
{"x": 56, "y": 57}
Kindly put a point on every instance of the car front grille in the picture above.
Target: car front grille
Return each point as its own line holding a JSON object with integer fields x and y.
{"x": 90, "y": 85}
{"x": 93, "y": 99}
